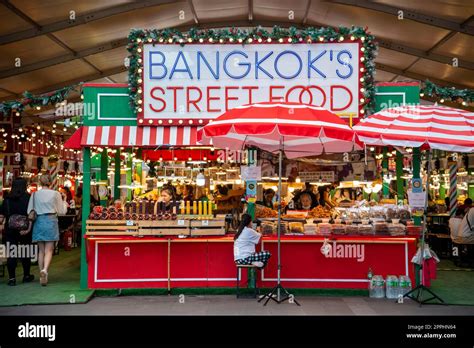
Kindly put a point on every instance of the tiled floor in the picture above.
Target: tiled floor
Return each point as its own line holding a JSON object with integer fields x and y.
{"x": 229, "y": 305}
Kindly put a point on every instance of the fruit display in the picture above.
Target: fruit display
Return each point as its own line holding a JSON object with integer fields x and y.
{"x": 320, "y": 213}
{"x": 262, "y": 212}
{"x": 114, "y": 213}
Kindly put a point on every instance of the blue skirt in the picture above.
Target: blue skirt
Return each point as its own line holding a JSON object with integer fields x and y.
{"x": 46, "y": 228}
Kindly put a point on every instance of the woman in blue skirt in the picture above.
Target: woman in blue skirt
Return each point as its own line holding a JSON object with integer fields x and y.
{"x": 48, "y": 204}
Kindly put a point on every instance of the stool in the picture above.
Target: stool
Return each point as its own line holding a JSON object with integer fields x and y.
{"x": 251, "y": 268}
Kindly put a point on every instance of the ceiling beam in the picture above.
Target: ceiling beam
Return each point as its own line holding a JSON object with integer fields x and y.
{"x": 419, "y": 77}
{"x": 250, "y": 11}
{"x": 306, "y": 13}
{"x": 387, "y": 44}
{"x": 79, "y": 20}
{"x": 416, "y": 52}
{"x": 193, "y": 11}
{"x": 86, "y": 78}
{"x": 409, "y": 14}
{"x": 64, "y": 58}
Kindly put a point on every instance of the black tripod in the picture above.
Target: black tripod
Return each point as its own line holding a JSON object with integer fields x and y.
{"x": 278, "y": 289}
{"x": 417, "y": 293}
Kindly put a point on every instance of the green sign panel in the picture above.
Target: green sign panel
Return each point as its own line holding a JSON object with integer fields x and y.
{"x": 390, "y": 95}
{"x": 107, "y": 105}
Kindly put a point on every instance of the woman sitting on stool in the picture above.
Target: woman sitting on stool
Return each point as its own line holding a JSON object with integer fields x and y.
{"x": 244, "y": 245}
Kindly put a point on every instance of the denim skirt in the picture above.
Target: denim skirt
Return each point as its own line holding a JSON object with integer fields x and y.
{"x": 46, "y": 228}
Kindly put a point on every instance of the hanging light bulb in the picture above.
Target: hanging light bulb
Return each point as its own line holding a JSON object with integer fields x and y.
{"x": 298, "y": 180}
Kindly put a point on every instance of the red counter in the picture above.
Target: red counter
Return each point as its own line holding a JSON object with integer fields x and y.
{"x": 151, "y": 262}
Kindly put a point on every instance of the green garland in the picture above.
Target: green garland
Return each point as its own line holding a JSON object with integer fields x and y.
{"x": 235, "y": 35}
{"x": 30, "y": 100}
{"x": 463, "y": 96}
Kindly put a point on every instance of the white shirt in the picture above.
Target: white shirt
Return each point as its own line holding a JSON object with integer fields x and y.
{"x": 47, "y": 202}
{"x": 244, "y": 246}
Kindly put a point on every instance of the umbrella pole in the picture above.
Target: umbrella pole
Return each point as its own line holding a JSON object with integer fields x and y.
{"x": 417, "y": 293}
{"x": 278, "y": 289}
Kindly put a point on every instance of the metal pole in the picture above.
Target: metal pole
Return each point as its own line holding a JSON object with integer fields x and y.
{"x": 422, "y": 243}
{"x": 280, "y": 169}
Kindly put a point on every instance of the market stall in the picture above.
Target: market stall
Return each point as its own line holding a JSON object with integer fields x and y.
{"x": 137, "y": 236}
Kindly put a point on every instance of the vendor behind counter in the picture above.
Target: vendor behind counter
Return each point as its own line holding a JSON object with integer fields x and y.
{"x": 268, "y": 196}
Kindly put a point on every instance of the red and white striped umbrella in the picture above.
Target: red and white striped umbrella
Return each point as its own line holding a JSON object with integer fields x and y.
{"x": 437, "y": 127}
{"x": 302, "y": 130}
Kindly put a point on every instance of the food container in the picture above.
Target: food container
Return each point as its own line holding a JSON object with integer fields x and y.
{"x": 380, "y": 227}
{"x": 324, "y": 229}
{"x": 396, "y": 229}
{"x": 352, "y": 229}
{"x": 366, "y": 230}
{"x": 296, "y": 227}
{"x": 338, "y": 229}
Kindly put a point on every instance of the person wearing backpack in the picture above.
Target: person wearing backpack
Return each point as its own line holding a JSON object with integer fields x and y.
{"x": 17, "y": 228}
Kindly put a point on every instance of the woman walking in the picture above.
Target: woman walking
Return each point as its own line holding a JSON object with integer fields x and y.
{"x": 48, "y": 204}
{"x": 14, "y": 208}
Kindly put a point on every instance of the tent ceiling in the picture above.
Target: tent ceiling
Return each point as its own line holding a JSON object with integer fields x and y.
{"x": 56, "y": 52}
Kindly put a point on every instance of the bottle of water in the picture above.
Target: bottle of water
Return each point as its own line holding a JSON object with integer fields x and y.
{"x": 404, "y": 285}
{"x": 376, "y": 289}
{"x": 392, "y": 286}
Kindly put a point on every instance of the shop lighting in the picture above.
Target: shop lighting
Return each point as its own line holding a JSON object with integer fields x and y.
{"x": 197, "y": 162}
{"x": 462, "y": 173}
{"x": 298, "y": 180}
{"x": 320, "y": 183}
{"x": 200, "y": 179}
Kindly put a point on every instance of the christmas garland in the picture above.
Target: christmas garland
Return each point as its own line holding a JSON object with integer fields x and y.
{"x": 52, "y": 98}
{"x": 137, "y": 37}
{"x": 462, "y": 96}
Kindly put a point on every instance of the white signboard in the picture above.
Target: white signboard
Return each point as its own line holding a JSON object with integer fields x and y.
{"x": 327, "y": 176}
{"x": 202, "y": 81}
{"x": 417, "y": 199}
{"x": 251, "y": 173}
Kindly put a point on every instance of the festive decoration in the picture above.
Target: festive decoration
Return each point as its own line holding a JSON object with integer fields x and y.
{"x": 35, "y": 101}
{"x": 461, "y": 96}
{"x": 453, "y": 188}
{"x": 138, "y": 37}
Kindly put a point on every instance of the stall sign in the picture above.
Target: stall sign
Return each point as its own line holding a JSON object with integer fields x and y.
{"x": 417, "y": 199}
{"x": 327, "y": 176}
{"x": 417, "y": 185}
{"x": 251, "y": 191}
{"x": 202, "y": 81}
{"x": 251, "y": 173}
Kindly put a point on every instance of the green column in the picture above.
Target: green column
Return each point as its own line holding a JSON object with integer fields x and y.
{"x": 417, "y": 219}
{"x": 86, "y": 203}
{"x": 117, "y": 175}
{"x": 399, "y": 165}
{"x": 252, "y": 162}
{"x": 416, "y": 175}
{"x": 385, "y": 186}
{"x": 129, "y": 174}
{"x": 104, "y": 164}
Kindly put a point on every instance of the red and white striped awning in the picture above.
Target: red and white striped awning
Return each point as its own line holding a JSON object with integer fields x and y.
{"x": 438, "y": 127}
{"x": 128, "y": 136}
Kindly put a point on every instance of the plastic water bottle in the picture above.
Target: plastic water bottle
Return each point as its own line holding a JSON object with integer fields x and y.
{"x": 392, "y": 286}
{"x": 404, "y": 285}
{"x": 377, "y": 289}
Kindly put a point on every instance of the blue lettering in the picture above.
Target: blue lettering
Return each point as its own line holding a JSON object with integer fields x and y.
{"x": 241, "y": 64}
{"x": 152, "y": 64}
{"x": 311, "y": 62}
{"x": 297, "y": 57}
{"x": 344, "y": 63}
{"x": 214, "y": 73}
{"x": 259, "y": 62}
{"x": 174, "y": 69}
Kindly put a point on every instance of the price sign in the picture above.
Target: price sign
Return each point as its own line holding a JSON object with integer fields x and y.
{"x": 417, "y": 199}
{"x": 251, "y": 173}
{"x": 129, "y": 222}
{"x": 205, "y": 222}
{"x": 180, "y": 222}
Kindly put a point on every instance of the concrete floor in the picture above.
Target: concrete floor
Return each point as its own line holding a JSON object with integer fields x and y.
{"x": 229, "y": 305}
